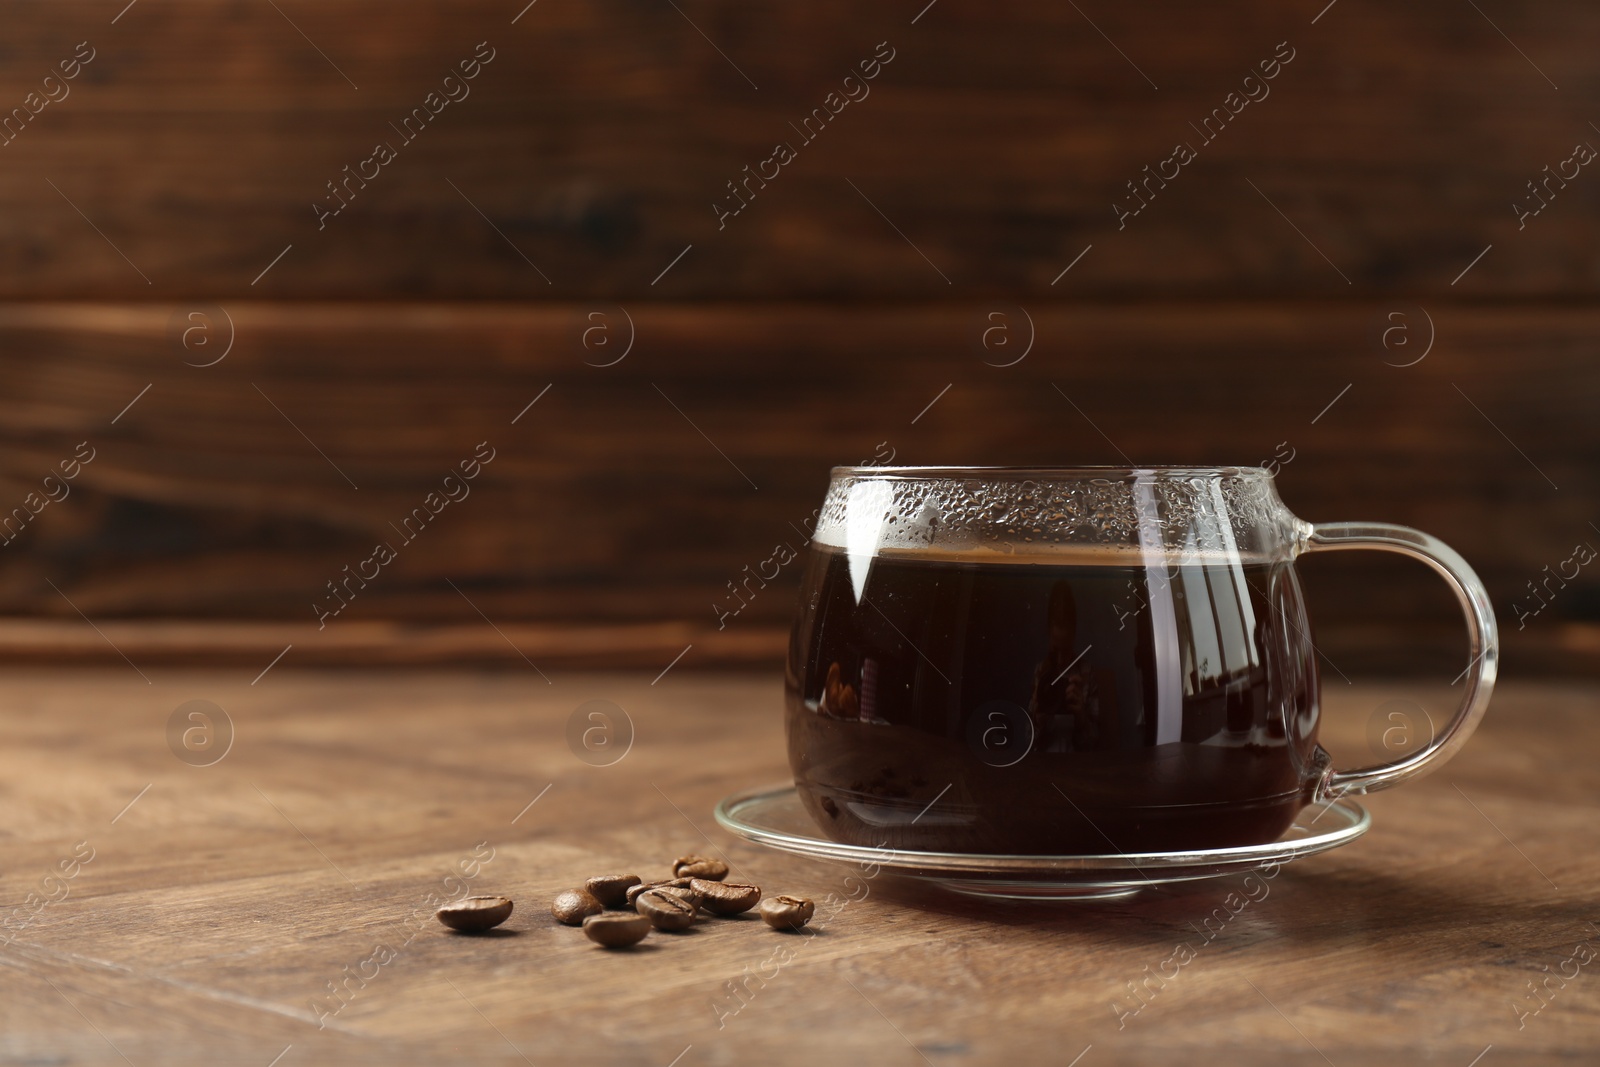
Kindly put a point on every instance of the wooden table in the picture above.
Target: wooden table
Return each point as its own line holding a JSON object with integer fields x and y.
{"x": 221, "y": 901}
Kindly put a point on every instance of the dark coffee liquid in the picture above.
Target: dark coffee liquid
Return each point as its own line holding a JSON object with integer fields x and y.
{"x": 1052, "y": 707}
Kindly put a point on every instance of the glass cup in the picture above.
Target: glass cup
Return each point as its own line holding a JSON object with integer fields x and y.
{"x": 1088, "y": 660}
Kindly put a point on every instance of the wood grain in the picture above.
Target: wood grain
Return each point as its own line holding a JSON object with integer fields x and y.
{"x": 1221, "y": 323}
{"x": 596, "y": 142}
{"x": 219, "y": 904}
{"x": 632, "y": 494}
{"x": 145, "y": 645}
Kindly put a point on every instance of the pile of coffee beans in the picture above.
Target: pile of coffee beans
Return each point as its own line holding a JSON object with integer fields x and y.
{"x": 697, "y": 887}
{"x": 618, "y": 910}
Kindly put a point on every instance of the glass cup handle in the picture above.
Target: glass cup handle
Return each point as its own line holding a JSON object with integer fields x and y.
{"x": 1482, "y": 636}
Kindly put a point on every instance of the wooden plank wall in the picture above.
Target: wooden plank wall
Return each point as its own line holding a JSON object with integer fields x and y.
{"x": 1363, "y": 220}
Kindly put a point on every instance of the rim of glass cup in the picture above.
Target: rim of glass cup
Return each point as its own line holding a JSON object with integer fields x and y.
{"x": 1103, "y": 472}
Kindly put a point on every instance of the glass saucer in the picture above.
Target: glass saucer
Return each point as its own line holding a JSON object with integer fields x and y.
{"x": 774, "y": 816}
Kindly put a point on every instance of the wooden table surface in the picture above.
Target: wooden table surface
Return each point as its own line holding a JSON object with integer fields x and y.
{"x": 198, "y": 914}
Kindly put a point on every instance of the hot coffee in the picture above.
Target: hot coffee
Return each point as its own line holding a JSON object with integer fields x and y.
{"x": 1059, "y": 701}
{"x": 1089, "y": 661}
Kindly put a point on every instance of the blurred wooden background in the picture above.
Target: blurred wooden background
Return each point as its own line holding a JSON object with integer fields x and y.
{"x": 940, "y": 274}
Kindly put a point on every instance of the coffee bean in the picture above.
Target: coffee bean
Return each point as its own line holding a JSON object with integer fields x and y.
{"x": 699, "y": 867}
{"x": 665, "y": 910}
{"x": 787, "y": 913}
{"x": 611, "y": 889}
{"x": 672, "y": 883}
{"x": 683, "y": 892}
{"x": 726, "y": 898}
{"x": 475, "y": 914}
{"x": 574, "y": 906}
{"x": 616, "y": 929}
